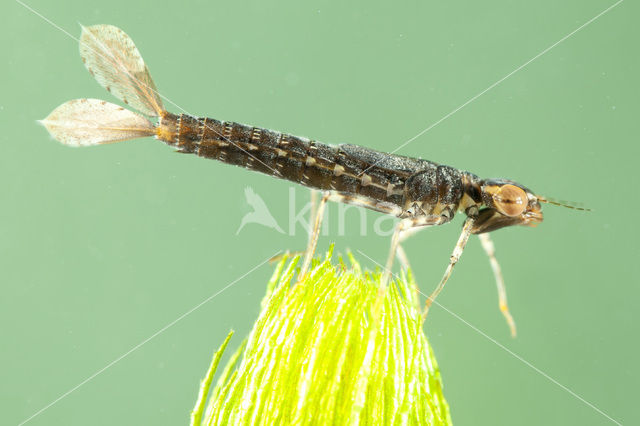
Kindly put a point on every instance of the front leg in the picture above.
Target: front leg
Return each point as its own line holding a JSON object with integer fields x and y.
{"x": 489, "y": 248}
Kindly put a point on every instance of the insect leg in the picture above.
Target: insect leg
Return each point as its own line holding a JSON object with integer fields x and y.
{"x": 455, "y": 256}
{"x": 490, "y": 249}
{"x": 313, "y": 235}
{"x": 402, "y": 255}
{"x": 404, "y": 259}
{"x": 407, "y": 225}
{"x": 339, "y": 197}
{"x": 313, "y": 201}
{"x": 395, "y": 240}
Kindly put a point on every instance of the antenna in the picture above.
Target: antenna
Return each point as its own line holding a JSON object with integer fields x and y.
{"x": 563, "y": 203}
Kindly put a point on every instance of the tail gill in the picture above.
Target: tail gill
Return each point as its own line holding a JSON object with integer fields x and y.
{"x": 113, "y": 59}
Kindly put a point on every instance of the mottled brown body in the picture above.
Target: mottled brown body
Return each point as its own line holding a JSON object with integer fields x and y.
{"x": 420, "y": 192}
{"x": 393, "y": 184}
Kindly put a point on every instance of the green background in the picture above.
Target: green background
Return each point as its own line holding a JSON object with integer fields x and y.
{"x": 101, "y": 248}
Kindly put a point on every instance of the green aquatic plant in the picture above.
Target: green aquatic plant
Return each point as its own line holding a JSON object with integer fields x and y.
{"x": 334, "y": 348}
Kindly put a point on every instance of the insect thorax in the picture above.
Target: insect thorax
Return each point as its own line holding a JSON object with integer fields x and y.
{"x": 440, "y": 190}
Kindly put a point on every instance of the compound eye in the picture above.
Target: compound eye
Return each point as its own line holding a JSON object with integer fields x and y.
{"x": 510, "y": 200}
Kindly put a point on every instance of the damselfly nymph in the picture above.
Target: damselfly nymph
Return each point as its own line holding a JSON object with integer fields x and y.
{"x": 420, "y": 193}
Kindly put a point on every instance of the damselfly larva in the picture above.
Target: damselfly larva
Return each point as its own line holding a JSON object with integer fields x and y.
{"x": 419, "y": 192}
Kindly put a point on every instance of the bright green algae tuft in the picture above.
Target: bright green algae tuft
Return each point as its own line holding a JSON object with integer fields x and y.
{"x": 331, "y": 349}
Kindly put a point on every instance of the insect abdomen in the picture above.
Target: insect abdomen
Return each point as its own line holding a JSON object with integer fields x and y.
{"x": 297, "y": 159}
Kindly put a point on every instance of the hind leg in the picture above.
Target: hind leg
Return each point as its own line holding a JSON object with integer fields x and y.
{"x": 314, "y": 232}
{"x": 313, "y": 201}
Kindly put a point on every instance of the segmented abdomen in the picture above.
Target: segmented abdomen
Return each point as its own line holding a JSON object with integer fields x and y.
{"x": 297, "y": 159}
